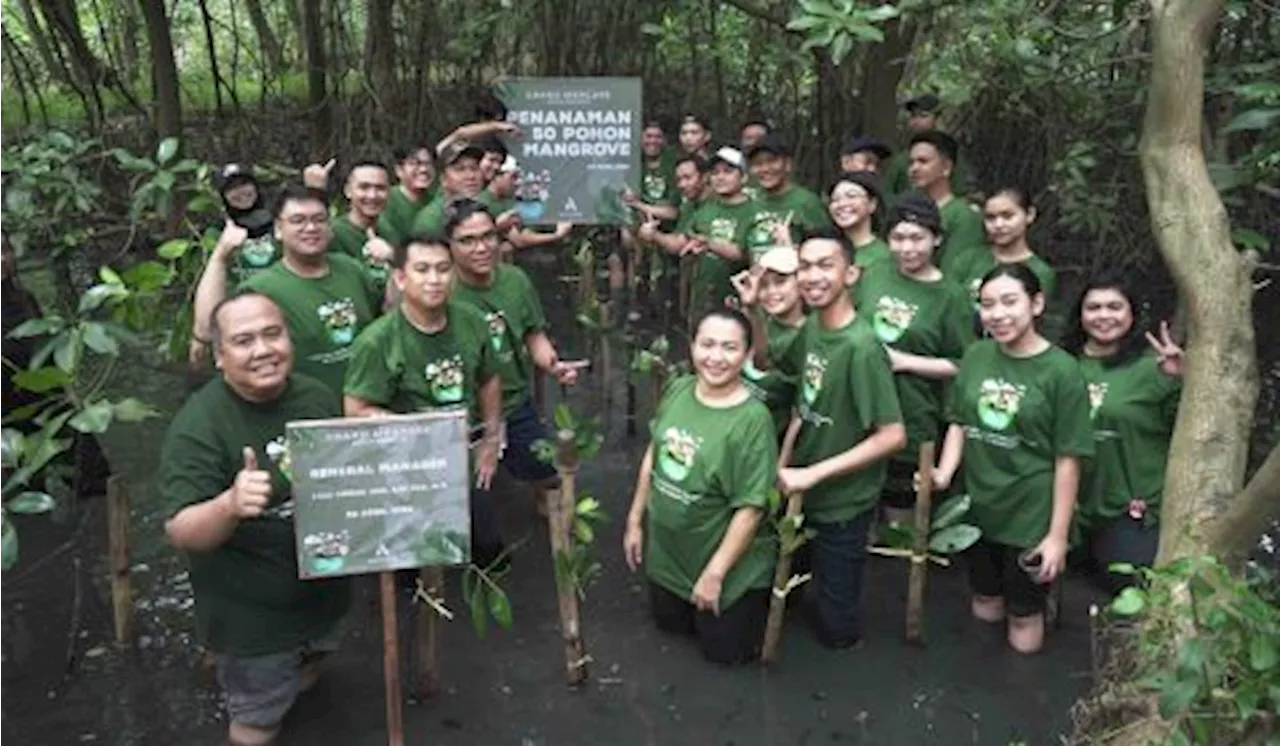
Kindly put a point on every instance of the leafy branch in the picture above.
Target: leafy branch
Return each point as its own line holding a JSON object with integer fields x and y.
{"x": 947, "y": 534}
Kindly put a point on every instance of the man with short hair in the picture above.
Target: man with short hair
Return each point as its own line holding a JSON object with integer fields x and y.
{"x": 224, "y": 473}
{"x": 864, "y": 153}
{"x": 781, "y": 205}
{"x": 326, "y": 296}
{"x": 494, "y": 154}
{"x": 752, "y": 132}
{"x": 923, "y": 114}
{"x": 718, "y": 234}
{"x": 933, "y": 158}
{"x": 415, "y": 188}
{"x": 847, "y": 424}
{"x": 460, "y": 178}
{"x": 432, "y": 352}
{"x": 695, "y": 135}
{"x": 356, "y": 232}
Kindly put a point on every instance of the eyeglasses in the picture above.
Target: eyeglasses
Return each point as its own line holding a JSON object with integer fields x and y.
{"x": 318, "y": 220}
{"x": 471, "y": 242}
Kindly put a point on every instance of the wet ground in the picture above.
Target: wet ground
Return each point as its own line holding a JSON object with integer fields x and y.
{"x": 64, "y": 683}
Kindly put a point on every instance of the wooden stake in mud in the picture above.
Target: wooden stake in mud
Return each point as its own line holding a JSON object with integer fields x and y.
{"x": 778, "y": 599}
{"x": 391, "y": 659}
{"x": 606, "y": 359}
{"x": 920, "y": 546}
{"x": 628, "y": 356}
{"x": 118, "y": 555}
{"x": 560, "y": 515}
{"x": 429, "y": 633}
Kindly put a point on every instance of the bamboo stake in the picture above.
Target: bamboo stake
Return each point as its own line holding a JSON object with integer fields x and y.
{"x": 391, "y": 660}
{"x": 118, "y": 556}
{"x": 429, "y": 633}
{"x": 560, "y": 523}
{"x": 920, "y": 546}
{"x": 606, "y": 360}
{"x": 781, "y": 581}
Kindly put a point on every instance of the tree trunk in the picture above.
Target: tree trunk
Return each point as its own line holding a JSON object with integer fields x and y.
{"x": 64, "y": 16}
{"x": 1210, "y": 447}
{"x": 317, "y": 97}
{"x": 43, "y": 44}
{"x": 213, "y": 56}
{"x": 380, "y": 49}
{"x": 272, "y": 53}
{"x": 884, "y": 65}
{"x": 164, "y": 73}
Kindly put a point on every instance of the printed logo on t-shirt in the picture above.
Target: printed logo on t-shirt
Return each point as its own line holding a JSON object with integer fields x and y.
{"x": 497, "y": 329}
{"x": 814, "y": 369}
{"x": 339, "y": 316}
{"x": 655, "y": 185}
{"x": 278, "y": 451}
{"x": 892, "y": 317}
{"x": 723, "y": 228}
{"x": 675, "y": 458}
{"x": 257, "y": 252}
{"x": 974, "y": 288}
{"x": 751, "y": 372}
{"x": 998, "y": 403}
{"x": 761, "y": 236}
{"x": 1097, "y": 393}
{"x": 444, "y": 380}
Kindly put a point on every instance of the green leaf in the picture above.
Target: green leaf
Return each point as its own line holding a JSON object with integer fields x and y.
{"x": 167, "y": 150}
{"x": 805, "y": 23}
{"x": 1131, "y": 601}
{"x": 98, "y": 339}
{"x": 1247, "y": 238}
{"x": 132, "y": 410}
{"x": 1177, "y": 696}
{"x": 31, "y": 503}
{"x": 867, "y": 33}
{"x": 68, "y": 351}
{"x": 130, "y": 162}
{"x": 11, "y": 444}
{"x": 41, "y": 380}
{"x": 1262, "y": 652}
{"x": 897, "y": 535}
{"x": 1122, "y": 568}
{"x": 1253, "y": 119}
{"x": 147, "y": 276}
{"x": 8, "y": 544}
{"x": 564, "y": 418}
{"x": 953, "y": 539}
{"x": 109, "y": 276}
{"x": 1191, "y": 657}
{"x": 500, "y": 607}
{"x": 951, "y": 511}
{"x": 479, "y": 616}
{"x": 93, "y": 298}
{"x": 840, "y": 48}
{"x": 37, "y": 327}
{"x": 174, "y": 248}
{"x": 587, "y": 506}
{"x": 651, "y": 29}
{"x": 583, "y": 531}
{"x": 95, "y": 418}
{"x": 881, "y": 13}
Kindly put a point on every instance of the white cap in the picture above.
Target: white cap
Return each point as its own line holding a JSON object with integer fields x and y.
{"x": 781, "y": 259}
{"x": 731, "y": 156}
{"x": 509, "y": 166}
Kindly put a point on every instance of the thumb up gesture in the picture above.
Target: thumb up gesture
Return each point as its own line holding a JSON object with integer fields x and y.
{"x": 316, "y": 176}
{"x": 376, "y": 248}
{"x": 251, "y": 491}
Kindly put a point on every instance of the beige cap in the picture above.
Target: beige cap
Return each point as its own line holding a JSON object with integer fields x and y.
{"x": 781, "y": 259}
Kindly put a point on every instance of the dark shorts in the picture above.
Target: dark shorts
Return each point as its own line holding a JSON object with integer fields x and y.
{"x": 260, "y": 690}
{"x": 732, "y": 638}
{"x": 524, "y": 428}
{"x": 994, "y": 571}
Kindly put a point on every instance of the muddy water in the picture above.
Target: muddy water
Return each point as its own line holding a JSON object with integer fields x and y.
{"x": 65, "y": 684}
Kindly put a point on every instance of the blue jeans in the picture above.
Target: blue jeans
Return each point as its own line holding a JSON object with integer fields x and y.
{"x": 839, "y": 556}
{"x": 524, "y": 428}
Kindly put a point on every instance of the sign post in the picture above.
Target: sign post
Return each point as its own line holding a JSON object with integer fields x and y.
{"x": 376, "y": 495}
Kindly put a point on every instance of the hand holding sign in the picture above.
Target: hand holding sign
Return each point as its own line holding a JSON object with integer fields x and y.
{"x": 251, "y": 491}
{"x": 316, "y": 176}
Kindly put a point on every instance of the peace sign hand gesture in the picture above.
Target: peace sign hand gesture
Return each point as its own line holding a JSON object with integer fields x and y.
{"x": 1168, "y": 353}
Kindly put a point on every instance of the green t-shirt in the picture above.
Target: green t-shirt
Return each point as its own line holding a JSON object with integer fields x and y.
{"x": 249, "y": 600}
{"x": 658, "y": 181}
{"x": 350, "y": 239}
{"x": 324, "y": 314}
{"x": 430, "y": 219}
{"x": 1018, "y": 415}
{"x": 707, "y": 464}
{"x": 397, "y": 366}
{"x": 711, "y": 286}
{"x": 511, "y": 312}
{"x": 804, "y": 208}
{"x": 1132, "y": 406}
{"x": 923, "y": 318}
{"x": 870, "y": 254}
{"x": 846, "y": 392}
{"x": 253, "y": 256}
{"x": 897, "y": 182}
{"x": 395, "y": 224}
{"x": 773, "y": 387}
{"x": 963, "y": 234}
{"x": 970, "y": 272}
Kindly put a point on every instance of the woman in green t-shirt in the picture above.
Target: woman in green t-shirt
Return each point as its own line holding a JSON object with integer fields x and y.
{"x": 1133, "y": 400}
{"x": 1007, "y": 215}
{"x": 1019, "y": 414}
{"x": 853, "y": 202}
{"x": 922, "y": 318}
{"x": 703, "y": 487}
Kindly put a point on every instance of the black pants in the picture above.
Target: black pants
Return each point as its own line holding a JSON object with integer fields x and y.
{"x": 733, "y": 637}
{"x": 1122, "y": 539}
{"x": 899, "y": 486}
{"x": 838, "y": 553}
{"x": 994, "y": 572}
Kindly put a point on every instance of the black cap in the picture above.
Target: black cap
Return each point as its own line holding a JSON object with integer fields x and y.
{"x": 864, "y": 144}
{"x": 772, "y": 142}
{"x": 946, "y": 144}
{"x": 233, "y": 174}
{"x": 865, "y": 179}
{"x": 917, "y": 208}
{"x": 457, "y": 150}
{"x": 925, "y": 103}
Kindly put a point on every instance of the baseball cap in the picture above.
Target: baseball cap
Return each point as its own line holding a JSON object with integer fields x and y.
{"x": 925, "y": 103}
{"x": 231, "y": 174}
{"x": 864, "y": 144}
{"x": 509, "y": 165}
{"x": 781, "y": 259}
{"x": 731, "y": 156}
{"x": 457, "y": 150}
{"x": 773, "y": 142}
{"x": 917, "y": 208}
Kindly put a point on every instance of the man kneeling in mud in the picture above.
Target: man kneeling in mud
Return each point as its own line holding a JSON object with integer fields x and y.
{"x": 225, "y": 477}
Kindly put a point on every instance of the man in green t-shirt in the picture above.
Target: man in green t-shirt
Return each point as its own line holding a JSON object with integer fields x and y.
{"x": 517, "y": 333}
{"x": 416, "y": 177}
{"x": 356, "y": 233}
{"x": 847, "y": 425}
{"x": 780, "y": 203}
{"x": 460, "y": 178}
{"x": 655, "y": 200}
{"x": 433, "y": 353}
{"x": 327, "y": 297}
{"x": 864, "y": 153}
{"x": 922, "y": 115}
{"x": 224, "y": 477}
{"x": 717, "y": 235}
{"x": 695, "y": 135}
{"x": 494, "y": 154}
{"x": 752, "y": 132}
{"x": 933, "y": 157}
{"x": 502, "y": 191}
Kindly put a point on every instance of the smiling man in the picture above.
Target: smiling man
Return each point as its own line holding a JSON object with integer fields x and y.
{"x": 224, "y": 475}
{"x": 780, "y": 202}
{"x": 416, "y": 177}
{"x": 460, "y": 178}
{"x": 933, "y": 157}
{"x": 355, "y": 234}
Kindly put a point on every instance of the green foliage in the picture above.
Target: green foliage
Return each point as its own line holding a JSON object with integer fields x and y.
{"x": 839, "y": 25}
{"x": 158, "y": 182}
{"x": 947, "y": 533}
{"x": 485, "y": 598}
{"x": 49, "y": 192}
{"x": 1208, "y": 646}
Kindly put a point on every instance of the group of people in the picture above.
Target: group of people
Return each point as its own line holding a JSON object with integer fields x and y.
{"x": 830, "y": 337}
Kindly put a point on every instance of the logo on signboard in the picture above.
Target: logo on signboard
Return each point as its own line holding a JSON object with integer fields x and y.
{"x": 570, "y": 205}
